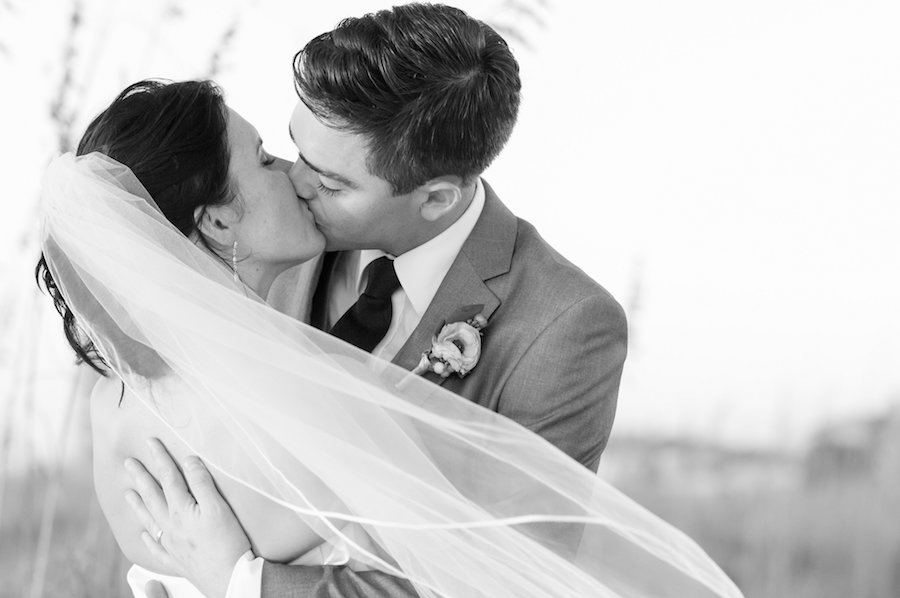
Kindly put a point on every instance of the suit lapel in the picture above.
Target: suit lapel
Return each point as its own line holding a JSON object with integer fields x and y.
{"x": 487, "y": 253}
{"x": 461, "y": 287}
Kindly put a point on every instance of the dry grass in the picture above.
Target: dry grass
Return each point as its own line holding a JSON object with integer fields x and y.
{"x": 83, "y": 559}
{"x": 839, "y": 539}
{"x": 836, "y": 538}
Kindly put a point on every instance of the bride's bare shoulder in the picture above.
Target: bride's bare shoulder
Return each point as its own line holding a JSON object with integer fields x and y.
{"x": 106, "y": 399}
{"x": 105, "y": 388}
{"x": 114, "y": 435}
{"x": 116, "y": 417}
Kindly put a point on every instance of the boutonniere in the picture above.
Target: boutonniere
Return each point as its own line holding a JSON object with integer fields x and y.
{"x": 456, "y": 345}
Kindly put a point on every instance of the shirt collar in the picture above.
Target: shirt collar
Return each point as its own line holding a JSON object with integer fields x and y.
{"x": 422, "y": 269}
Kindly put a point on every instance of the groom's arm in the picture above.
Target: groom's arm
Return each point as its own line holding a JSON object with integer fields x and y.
{"x": 291, "y": 581}
{"x": 566, "y": 385}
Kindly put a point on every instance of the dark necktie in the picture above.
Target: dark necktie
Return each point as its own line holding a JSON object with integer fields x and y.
{"x": 368, "y": 320}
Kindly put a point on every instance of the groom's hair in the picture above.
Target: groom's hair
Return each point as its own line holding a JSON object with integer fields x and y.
{"x": 434, "y": 91}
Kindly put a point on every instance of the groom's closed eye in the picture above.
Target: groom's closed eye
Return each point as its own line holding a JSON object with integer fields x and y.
{"x": 338, "y": 178}
{"x": 327, "y": 190}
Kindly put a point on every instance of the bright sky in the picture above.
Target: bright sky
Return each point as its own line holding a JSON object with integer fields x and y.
{"x": 729, "y": 171}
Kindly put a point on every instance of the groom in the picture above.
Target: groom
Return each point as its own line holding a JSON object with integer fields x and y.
{"x": 399, "y": 114}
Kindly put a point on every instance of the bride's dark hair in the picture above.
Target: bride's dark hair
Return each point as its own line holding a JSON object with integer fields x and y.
{"x": 173, "y": 137}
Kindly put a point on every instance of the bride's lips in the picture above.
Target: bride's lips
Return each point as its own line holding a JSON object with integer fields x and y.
{"x": 312, "y": 215}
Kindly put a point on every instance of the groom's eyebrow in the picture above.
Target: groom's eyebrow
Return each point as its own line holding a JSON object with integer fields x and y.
{"x": 325, "y": 173}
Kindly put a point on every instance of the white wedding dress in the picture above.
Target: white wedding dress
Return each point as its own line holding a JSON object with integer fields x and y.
{"x": 452, "y": 497}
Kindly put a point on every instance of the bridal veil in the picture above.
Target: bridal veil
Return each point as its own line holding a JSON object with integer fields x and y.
{"x": 455, "y": 498}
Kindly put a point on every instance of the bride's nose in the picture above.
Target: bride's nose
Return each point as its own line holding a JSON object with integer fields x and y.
{"x": 283, "y": 165}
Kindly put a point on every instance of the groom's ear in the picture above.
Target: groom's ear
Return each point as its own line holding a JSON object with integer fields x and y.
{"x": 217, "y": 223}
{"x": 442, "y": 195}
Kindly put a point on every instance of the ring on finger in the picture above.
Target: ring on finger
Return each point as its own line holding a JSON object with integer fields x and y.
{"x": 158, "y": 535}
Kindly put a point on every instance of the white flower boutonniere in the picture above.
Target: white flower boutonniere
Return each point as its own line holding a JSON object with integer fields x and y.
{"x": 456, "y": 347}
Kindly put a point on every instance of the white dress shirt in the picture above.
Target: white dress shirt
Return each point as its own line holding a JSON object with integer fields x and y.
{"x": 245, "y": 582}
{"x": 420, "y": 271}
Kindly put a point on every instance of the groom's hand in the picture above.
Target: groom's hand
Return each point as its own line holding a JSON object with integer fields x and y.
{"x": 200, "y": 539}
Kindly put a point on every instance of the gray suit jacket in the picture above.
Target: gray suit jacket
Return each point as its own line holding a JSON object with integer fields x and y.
{"x": 551, "y": 360}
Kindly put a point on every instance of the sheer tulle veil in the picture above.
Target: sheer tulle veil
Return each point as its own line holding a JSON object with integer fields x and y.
{"x": 457, "y": 499}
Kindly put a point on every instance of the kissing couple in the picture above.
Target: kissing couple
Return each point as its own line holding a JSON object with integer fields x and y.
{"x": 424, "y": 412}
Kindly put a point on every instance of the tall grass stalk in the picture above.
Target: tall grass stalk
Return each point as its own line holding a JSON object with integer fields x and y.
{"x": 9, "y": 403}
{"x": 45, "y": 538}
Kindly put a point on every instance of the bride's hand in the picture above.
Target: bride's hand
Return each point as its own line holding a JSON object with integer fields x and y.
{"x": 189, "y": 527}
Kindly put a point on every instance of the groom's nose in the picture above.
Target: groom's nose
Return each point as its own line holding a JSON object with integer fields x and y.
{"x": 303, "y": 178}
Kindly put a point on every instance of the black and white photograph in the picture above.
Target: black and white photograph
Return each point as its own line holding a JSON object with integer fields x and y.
{"x": 499, "y": 299}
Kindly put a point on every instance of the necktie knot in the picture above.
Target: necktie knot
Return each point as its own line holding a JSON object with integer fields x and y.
{"x": 383, "y": 279}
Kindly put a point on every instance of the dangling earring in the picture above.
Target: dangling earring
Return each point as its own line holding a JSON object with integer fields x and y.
{"x": 234, "y": 262}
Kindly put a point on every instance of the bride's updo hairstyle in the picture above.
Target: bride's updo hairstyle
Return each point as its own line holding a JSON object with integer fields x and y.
{"x": 173, "y": 137}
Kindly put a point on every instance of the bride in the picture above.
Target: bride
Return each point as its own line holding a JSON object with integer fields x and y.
{"x": 211, "y": 178}
{"x": 160, "y": 239}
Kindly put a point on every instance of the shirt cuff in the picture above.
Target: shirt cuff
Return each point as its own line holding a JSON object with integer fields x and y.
{"x": 246, "y": 577}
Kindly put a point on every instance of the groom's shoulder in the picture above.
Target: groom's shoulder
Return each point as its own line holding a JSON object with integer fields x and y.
{"x": 537, "y": 283}
{"x": 544, "y": 275}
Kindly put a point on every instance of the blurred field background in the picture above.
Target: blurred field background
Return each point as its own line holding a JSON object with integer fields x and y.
{"x": 729, "y": 173}
{"x": 816, "y": 524}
